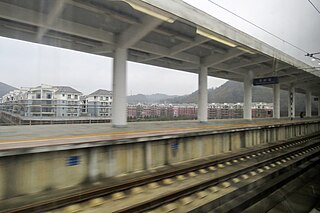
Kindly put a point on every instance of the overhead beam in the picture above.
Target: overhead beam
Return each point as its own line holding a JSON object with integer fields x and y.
{"x": 104, "y": 11}
{"x": 136, "y": 32}
{"x": 180, "y": 48}
{"x": 234, "y": 68}
{"x": 54, "y": 13}
{"x": 183, "y": 67}
{"x": 213, "y": 60}
{"x": 52, "y": 40}
{"x": 306, "y": 81}
{"x": 246, "y": 64}
{"x": 262, "y": 72}
{"x": 225, "y": 75}
{"x": 127, "y": 18}
{"x": 103, "y": 49}
{"x": 187, "y": 45}
{"x": 26, "y": 16}
{"x": 163, "y": 51}
{"x": 279, "y": 68}
{"x": 30, "y": 17}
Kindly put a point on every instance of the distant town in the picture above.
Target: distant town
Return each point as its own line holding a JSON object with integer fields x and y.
{"x": 65, "y": 102}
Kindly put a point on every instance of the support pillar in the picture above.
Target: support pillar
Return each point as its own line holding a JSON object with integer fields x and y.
{"x": 111, "y": 162}
{"x": 308, "y": 104}
{"x": 203, "y": 95}
{"x": 319, "y": 106}
{"x": 148, "y": 155}
{"x": 291, "y": 101}
{"x": 247, "y": 96}
{"x": 93, "y": 164}
{"x": 276, "y": 101}
{"x": 119, "y": 105}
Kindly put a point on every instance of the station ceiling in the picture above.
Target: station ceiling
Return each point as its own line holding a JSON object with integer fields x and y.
{"x": 174, "y": 35}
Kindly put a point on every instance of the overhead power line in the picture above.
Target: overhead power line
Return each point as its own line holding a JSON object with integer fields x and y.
{"x": 314, "y": 6}
{"x": 253, "y": 24}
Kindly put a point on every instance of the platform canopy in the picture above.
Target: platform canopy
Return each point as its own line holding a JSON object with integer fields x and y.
{"x": 169, "y": 34}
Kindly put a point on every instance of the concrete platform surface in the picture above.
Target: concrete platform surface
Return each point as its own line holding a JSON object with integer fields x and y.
{"x": 13, "y": 137}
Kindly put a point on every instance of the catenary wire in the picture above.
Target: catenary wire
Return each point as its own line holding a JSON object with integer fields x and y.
{"x": 314, "y": 6}
{"x": 211, "y": 1}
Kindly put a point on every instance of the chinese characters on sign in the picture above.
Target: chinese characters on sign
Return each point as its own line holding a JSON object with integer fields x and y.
{"x": 265, "y": 81}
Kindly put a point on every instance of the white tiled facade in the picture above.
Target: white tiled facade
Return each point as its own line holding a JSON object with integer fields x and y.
{"x": 99, "y": 103}
{"x": 43, "y": 101}
{"x": 57, "y": 101}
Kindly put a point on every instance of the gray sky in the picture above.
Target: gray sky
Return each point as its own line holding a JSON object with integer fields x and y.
{"x": 295, "y": 21}
{"x": 27, "y": 64}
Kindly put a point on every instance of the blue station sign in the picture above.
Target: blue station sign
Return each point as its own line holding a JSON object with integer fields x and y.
{"x": 73, "y": 160}
{"x": 265, "y": 81}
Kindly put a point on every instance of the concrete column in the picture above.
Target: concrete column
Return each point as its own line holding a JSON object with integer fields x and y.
{"x": 319, "y": 106}
{"x": 148, "y": 155}
{"x": 308, "y": 104}
{"x": 291, "y": 101}
{"x": 111, "y": 163}
{"x": 203, "y": 95}
{"x": 119, "y": 105}
{"x": 276, "y": 101}
{"x": 247, "y": 102}
{"x": 130, "y": 160}
{"x": 93, "y": 164}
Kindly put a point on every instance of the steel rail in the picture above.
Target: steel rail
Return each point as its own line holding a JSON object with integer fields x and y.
{"x": 85, "y": 195}
{"x": 171, "y": 197}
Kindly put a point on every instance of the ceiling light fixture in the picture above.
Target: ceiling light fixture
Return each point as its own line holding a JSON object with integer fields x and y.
{"x": 208, "y": 34}
{"x": 149, "y": 12}
{"x": 246, "y": 50}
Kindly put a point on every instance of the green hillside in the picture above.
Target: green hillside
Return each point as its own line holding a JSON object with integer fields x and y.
{"x": 232, "y": 92}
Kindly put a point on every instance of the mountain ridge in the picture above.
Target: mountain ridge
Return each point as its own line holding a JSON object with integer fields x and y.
{"x": 232, "y": 92}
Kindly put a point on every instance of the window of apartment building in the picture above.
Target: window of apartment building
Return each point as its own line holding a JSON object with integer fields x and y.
{"x": 49, "y": 96}
{"x": 95, "y": 97}
{"x": 38, "y": 96}
{"x": 76, "y": 96}
{"x": 69, "y": 96}
{"x": 101, "y": 98}
{"x": 63, "y": 95}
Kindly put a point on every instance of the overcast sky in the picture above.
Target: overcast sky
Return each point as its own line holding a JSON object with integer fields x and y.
{"x": 27, "y": 64}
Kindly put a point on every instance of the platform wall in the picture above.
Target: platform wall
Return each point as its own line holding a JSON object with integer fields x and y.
{"x": 33, "y": 173}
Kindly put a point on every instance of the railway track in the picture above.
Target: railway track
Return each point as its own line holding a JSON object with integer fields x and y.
{"x": 220, "y": 172}
{"x": 227, "y": 180}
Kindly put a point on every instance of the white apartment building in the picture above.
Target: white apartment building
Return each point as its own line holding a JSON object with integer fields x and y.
{"x": 67, "y": 100}
{"x": 83, "y": 105}
{"x": 43, "y": 101}
{"x": 99, "y": 103}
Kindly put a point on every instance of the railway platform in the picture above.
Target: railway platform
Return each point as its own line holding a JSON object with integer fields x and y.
{"x": 15, "y": 137}
{"x": 42, "y": 161}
